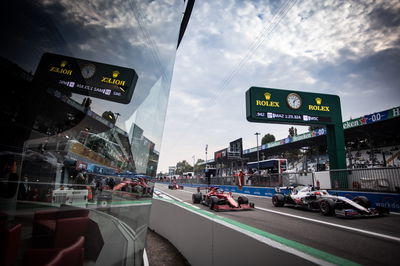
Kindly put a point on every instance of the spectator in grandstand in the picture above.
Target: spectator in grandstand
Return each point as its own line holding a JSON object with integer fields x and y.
{"x": 24, "y": 189}
{"x": 99, "y": 186}
{"x": 111, "y": 182}
{"x": 80, "y": 179}
{"x": 93, "y": 184}
{"x": 240, "y": 179}
{"x": 264, "y": 172}
{"x": 8, "y": 177}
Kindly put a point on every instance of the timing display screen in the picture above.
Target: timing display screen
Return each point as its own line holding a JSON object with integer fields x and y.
{"x": 295, "y": 117}
{"x": 73, "y": 75}
{"x": 269, "y": 105}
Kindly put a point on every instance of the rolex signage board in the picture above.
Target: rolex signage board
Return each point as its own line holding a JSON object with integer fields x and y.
{"x": 268, "y": 105}
{"x": 73, "y": 75}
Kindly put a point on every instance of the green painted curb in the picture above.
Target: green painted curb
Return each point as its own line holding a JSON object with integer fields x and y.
{"x": 290, "y": 243}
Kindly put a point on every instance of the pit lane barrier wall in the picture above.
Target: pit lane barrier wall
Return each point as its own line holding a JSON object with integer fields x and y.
{"x": 387, "y": 200}
{"x": 204, "y": 239}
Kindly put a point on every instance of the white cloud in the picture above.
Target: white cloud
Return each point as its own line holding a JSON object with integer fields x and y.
{"x": 305, "y": 51}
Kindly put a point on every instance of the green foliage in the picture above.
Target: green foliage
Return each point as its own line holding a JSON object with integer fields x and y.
{"x": 267, "y": 139}
{"x": 312, "y": 128}
{"x": 197, "y": 167}
{"x": 96, "y": 144}
{"x": 182, "y": 167}
{"x": 292, "y": 155}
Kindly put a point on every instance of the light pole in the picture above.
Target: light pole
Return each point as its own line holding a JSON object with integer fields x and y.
{"x": 258, "y": 154}
{"x": 193, "y": 157}
{"x": 117, "y": 114}
{"x": 206, "y": 154}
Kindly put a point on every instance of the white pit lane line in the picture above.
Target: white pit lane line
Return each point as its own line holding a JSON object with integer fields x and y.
{"x": 397, "y": 239}
{"x": 265, "y": 240}
{"x": 393, "y": 238}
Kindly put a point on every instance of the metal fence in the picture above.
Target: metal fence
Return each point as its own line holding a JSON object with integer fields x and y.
{"x": 367, "y": 179}
{"x": 268, "y": 180}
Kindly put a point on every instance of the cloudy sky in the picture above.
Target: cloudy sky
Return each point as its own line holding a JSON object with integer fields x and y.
{"x": 348, "y": 48}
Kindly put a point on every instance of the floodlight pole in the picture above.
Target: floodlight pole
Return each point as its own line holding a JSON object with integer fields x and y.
{"x": 206, "y": 154}
{"x": 258, "y": 154}
{"x": 193, "y": 162}
{"x": 117, "y": 115}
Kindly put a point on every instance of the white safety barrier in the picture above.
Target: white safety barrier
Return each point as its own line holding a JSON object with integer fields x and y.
{"x": 323, "y": 178}
{"x": 70, "y": 197}
{"x": 205, "y": 240}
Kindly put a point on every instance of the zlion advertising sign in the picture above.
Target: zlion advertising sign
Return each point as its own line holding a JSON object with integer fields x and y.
{"x": 73, "y": 75}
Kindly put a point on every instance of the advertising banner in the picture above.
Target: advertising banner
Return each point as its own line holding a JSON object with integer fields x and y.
{"x": 267, "y": 105}
{"x": 73, "y": 75}
{"x": 221, "y": 154}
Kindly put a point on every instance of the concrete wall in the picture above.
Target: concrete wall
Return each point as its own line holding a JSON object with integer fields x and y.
{"x": 203, "y": 240}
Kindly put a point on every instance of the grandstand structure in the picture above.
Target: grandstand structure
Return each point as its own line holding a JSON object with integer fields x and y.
{"x": 371, "y": 141}
{"x": 372, "y": 146}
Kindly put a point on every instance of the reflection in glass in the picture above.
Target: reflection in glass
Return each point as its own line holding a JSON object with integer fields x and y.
{"x": 77, "y": 170}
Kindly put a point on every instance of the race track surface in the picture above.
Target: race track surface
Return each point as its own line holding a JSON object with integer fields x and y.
{"x": 367, "y": 241}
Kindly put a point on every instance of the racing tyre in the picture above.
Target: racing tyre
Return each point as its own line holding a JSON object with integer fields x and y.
{"x": 170, "y": 187}
{"x": 327, "y": 207}
{"x": 139, "y": 190}
{"x": 213, "y": 202}
{"x": 363, "y": 201}
{"x": 196, "y": 198}
{"x": 278, "y": 200}
{"x": 243, "y": 200}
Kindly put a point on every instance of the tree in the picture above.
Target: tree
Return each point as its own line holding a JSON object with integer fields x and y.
{"x": 292, "y": 155}
{"x": 182, "y": 167}
{"x": 197, "y": 167}
{"x": 267, "y": 139}
{"x": 292, "y": 132}
{"x": 312, "y": 128}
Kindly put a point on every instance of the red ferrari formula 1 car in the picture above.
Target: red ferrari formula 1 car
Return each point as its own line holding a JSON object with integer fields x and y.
{"x": 218, "y": 200}
{"x": 137, "y": 187}
{"x": 174, "y": 185}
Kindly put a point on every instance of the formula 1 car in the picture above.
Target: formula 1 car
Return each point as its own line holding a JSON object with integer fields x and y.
{"x": 320, "y": 200}
{"x": 137, "y": 187}
{"x": 218, "y": 200}
{"x": 174, "y": 185}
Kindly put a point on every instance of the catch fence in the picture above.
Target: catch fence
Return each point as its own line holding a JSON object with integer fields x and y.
{"x": 367, "y": 179}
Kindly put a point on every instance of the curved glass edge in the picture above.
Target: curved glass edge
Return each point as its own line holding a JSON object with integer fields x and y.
{"x": 76, "y": 161}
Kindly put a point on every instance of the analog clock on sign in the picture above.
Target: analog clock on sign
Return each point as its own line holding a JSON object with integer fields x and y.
{"x": 294, "y": 101}
{"x": 88, "y": 71}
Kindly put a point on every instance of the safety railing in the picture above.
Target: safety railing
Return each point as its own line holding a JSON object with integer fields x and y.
{"x": 367, "y": 179}
{"x": 267, "y": 180}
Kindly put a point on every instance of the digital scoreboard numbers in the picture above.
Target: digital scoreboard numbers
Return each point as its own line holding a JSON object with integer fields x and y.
{"x": 291, "y": 107}
{"x": 73, "y": 75}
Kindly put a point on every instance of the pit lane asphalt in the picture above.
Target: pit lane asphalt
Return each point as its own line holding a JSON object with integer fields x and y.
{"x": 367, "y": 241}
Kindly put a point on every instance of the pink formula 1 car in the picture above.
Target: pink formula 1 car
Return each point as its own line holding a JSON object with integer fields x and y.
{"x": 218, "y": 200}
